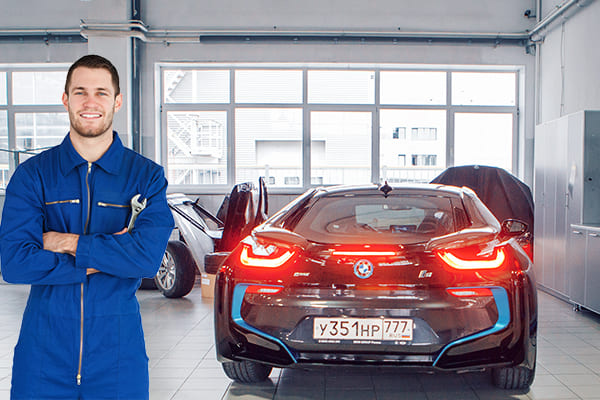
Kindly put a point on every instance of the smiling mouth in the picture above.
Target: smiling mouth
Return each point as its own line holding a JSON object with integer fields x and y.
{"x": 90, "y": 115}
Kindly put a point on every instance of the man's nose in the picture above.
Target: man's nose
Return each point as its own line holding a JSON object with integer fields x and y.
{"x": 89, "y": 101}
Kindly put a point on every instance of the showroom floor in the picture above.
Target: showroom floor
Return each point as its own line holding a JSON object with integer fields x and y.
{"x": 182, "y": 361}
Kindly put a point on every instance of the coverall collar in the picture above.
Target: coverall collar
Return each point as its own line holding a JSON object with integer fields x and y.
{"x": 109, "y": 162}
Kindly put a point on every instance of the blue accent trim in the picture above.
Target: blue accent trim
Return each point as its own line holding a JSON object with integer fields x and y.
{"x": 236, "y": 314}
{"x": 501, "y": 299}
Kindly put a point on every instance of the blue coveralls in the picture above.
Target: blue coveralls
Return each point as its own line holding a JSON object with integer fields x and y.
{"x": 81, "y": 336}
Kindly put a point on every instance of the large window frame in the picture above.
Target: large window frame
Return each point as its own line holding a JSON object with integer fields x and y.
{"x": 17, "y": 155}
{"x": 163, "y": 108}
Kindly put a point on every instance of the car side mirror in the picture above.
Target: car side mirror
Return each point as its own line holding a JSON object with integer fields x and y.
{"x": 513, "y": 227}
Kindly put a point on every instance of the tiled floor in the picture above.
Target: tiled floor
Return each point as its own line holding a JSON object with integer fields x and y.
{"x": 182, "y": 361}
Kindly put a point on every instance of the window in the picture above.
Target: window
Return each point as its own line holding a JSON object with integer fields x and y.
{"x": 39, "y": 130}
{"x": 196, "y": 86}
{"x": 341, "y": 87}
{"x": 38, "y": 87}
{"x": 268, "y": 86}
{"x": 34, "y": 107}
{"x": 291, "y": 181}
{"x": 420, "y": 160}
{"x": 268, "y": 142}
{"x": 399, "y": 133}
{"x": 4, "y": 155}
{"x": 401, "y": 160}
{"x": 341, "y": 147}
{"x": 413, "y": 87}
{"x": 484, "y": 88}
{"x": 196, "y": 151}
{"x": 394, "y": 167}
{"x": 484, "y": 139}
{"x": 3, "y": 92}
{"x": 424, "y": 134}
{"x": 299, "y": 125}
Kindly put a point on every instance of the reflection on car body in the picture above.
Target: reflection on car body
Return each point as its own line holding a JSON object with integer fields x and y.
{"x": 419, "y": 276}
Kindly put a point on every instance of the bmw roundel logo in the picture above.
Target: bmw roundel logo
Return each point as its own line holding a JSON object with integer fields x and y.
{"x": 363, "y": 269}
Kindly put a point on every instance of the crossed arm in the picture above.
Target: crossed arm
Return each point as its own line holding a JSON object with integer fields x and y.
{"x": 66, "y": 243}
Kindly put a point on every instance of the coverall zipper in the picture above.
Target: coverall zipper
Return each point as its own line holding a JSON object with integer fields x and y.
{"x": 87, "y": 220}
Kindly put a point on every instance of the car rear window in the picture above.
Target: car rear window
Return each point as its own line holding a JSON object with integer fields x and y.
{"x": 377, "y": 219}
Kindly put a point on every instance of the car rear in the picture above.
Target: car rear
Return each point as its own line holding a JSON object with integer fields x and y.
{"x": 362, "y": 278}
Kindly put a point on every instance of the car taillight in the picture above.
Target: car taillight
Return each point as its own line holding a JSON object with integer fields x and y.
{"x": 363, "y": 253}
{"x": 472, "y": 258}
{"x": 470, "y": 292}
{"x": 266, "y": 255}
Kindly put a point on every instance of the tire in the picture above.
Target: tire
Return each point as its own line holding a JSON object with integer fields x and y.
{"x": 246, "y": 371}
{"x": 148, "y": 284}
{"x": 213, "y": 261}
{"x": 177, "y": 273}
{"x": 513, "y": 378}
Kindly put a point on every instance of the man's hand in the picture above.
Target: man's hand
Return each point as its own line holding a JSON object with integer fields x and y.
{"x": 67, "y": 243}
{"x": 61, "y": 242}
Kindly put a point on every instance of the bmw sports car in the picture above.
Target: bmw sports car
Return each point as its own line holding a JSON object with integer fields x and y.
{"x": 420, "y": 276}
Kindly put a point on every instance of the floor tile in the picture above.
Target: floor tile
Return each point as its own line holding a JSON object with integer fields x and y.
{"x": 183, "y": 365}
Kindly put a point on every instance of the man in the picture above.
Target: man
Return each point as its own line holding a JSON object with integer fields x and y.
{"x": 64, "y": 232}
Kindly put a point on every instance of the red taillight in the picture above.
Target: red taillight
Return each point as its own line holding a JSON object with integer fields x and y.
{"x": 470, "y": 292}
{"x": 266, "y": 255}
{"x": 363, "y": 253}
{"x": 366, "y": 250}
{"x": 472, "y": 258}
{"x": 256, "y": 289}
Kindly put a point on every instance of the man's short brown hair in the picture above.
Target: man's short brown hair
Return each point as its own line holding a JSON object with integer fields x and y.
{"x": 94, "y": 61}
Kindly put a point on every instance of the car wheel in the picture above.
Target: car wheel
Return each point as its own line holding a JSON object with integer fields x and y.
{"x": 213, "y": 261}
{"x": 513, "y": 377}
{"x": 177, "y": 273}
{"x": 246, "y": 371}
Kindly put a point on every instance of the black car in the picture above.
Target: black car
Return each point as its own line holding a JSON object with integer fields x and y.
{"x": 419, "y": 276}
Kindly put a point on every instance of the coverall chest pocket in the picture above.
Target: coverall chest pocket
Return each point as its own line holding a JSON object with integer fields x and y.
{"x": 63, "y": 211}
{"x": 112, "y": 211}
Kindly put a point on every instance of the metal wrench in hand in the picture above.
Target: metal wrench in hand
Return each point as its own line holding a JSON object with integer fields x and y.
{"x": 136, "y": 207}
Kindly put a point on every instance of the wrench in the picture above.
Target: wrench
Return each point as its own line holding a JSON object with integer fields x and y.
{"x": 136, "y": 207}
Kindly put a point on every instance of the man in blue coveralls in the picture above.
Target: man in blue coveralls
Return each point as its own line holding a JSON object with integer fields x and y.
{"x": 64, "y": 232}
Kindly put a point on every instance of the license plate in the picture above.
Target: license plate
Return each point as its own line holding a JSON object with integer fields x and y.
{"x": 363, "y": 328}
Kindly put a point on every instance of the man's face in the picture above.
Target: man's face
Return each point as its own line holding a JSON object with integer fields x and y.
{"x": 91, "y": 102}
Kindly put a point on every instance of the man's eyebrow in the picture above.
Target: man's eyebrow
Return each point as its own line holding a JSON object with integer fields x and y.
{"x": 103, "y": 89}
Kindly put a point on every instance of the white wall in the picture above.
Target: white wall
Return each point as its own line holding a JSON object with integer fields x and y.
{"x": 569, "y": 70}
{"x": 389, "y": 15}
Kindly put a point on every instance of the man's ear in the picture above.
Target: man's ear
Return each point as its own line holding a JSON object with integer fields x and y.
{"x": 118, "y": 102}
{"x": 65, "y": 100}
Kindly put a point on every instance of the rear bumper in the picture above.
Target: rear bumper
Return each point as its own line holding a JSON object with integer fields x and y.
{"x": 500, "y": 332}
